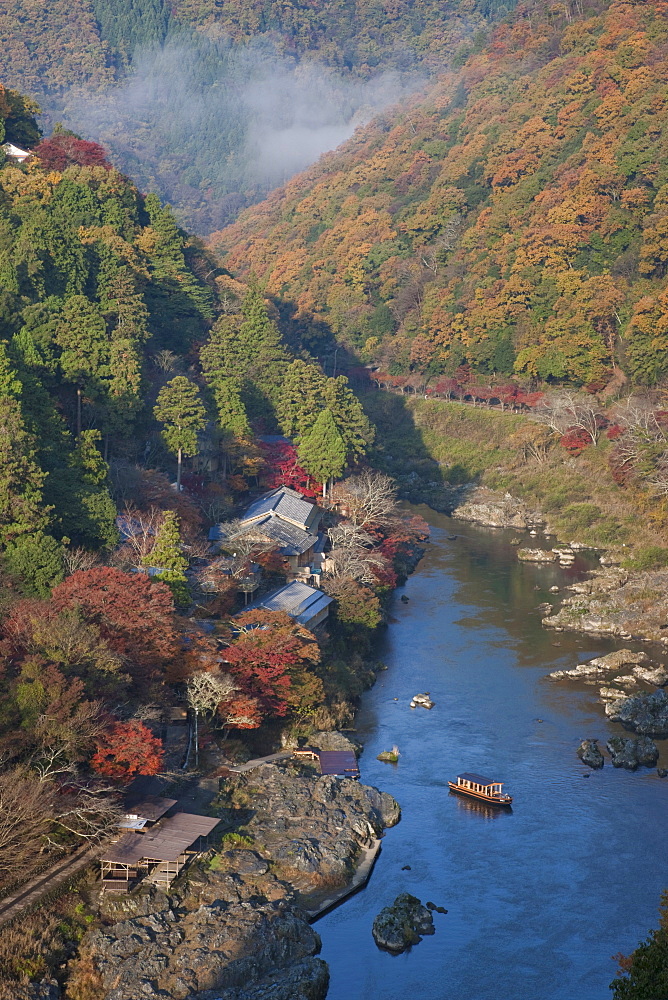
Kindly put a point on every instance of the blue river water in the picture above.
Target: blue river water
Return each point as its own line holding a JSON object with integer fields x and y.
{"x": 539, "y": 898}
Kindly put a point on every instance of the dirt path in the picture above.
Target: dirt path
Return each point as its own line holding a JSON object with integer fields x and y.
{"x": 250, "y": 764}
{"x": 32, "y": 891}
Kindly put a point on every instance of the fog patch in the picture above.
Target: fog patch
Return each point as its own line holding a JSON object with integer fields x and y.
{"x": 212, "y": 126}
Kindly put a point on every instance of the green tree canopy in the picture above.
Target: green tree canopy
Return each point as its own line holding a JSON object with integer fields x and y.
{"x": 167, "y": 557}
{"x": 322, "y": 451}
{"x": 179, "y": 408}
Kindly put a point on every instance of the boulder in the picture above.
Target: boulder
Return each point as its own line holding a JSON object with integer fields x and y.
{"x": 630, "y": 753}
{"x": 589, "y": 754}
{"x": 423, "y": 700}
{"x": 646, "y": 714}
{"x": 536, "y": 555}
{"x": 652, "y": 675}
{"x": 402, "y": 924}
{"x": 617, "y": 660}
{"x": 497, "y": 510}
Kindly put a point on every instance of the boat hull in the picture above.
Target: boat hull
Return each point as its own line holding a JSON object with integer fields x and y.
{"x": 480, "y": 796}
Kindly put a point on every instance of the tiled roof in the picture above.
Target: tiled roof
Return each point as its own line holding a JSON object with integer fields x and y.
{"x": 297, "y": 599}
{"x": 284, "y": 502}
{"x": 292, "y": 541}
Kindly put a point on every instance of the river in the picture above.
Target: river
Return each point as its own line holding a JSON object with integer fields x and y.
{"x": 539, "y": 898}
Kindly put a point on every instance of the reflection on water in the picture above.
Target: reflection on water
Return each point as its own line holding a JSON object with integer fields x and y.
{"x": 481, "y": 808}
{"x": 539, "y": 897}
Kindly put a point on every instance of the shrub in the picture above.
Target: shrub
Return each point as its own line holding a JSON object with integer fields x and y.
{"x": 648, "y": 557}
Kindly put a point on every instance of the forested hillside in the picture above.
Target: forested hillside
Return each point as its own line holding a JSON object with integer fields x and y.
{"x": 94, "y": 280}
{"x": 514, "y": 220}
{"x": 214, "y": 104}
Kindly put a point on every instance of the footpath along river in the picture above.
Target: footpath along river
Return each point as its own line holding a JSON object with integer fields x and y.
{"x": 539, "y": 898}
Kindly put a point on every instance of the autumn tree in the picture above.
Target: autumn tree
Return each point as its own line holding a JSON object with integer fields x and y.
{"x": 268, "y": 648}
{"x": 205, "y": 691}
{"x": 63, "y": 149}
{"x": 180, "y": 410}
{"x": 135, "y": 617}
{"x": 369, "y": 497}
{"x": 126, "y": 750}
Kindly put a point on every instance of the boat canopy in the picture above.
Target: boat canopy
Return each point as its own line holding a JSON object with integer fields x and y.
{"x": 478, "y": 779}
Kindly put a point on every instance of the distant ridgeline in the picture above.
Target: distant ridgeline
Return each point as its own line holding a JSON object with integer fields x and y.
{"x": 514, "y": 219}
{"x": 177, "y": 91}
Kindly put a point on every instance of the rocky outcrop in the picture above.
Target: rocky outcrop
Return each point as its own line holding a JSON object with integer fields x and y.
{"x": 306, "y": 981}
{"x": 498, "y": 510}
{"x": 622, "y": 661}
{"x": 537, "y": 555}
{"x": 47, "y": 989}
{"x": 314, "y": 826}
{"x": 220, "y": 934}
{"x": 589, "y": 754}
{"x": 234, "y": 929}
{"x": 646, "y": 714}
{"x": 613, "y": 602}
{"x": 630, "y": 753}
{"x": 402, "y": 924}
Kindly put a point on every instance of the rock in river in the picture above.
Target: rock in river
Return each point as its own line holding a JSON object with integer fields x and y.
{"x": 646, "y": 714}
{"x": 589, "y": 754}
{"x": 402, "y": 924}
{"x": 536, "y": 555}
{"x": 630, "y": 753}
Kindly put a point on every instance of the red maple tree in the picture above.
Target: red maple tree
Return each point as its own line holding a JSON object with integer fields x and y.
{"x": 127, "y": 749}
{"x": 266, "y": 647}
{"x": 66, "y": 150}
{"x": 283, "y": 469}
{"x": 135, "y": 616}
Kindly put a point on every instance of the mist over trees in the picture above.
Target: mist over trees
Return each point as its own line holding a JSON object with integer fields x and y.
{"x": 213, "y": 105}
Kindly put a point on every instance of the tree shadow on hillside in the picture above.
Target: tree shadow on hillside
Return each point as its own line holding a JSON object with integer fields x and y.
{"x": 400, "y": 451}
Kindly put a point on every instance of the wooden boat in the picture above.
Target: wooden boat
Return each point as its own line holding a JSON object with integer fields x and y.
{"x": 483, "y": 789}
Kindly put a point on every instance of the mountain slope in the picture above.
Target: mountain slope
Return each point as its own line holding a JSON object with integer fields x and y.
{"x": 512, "y": 218}
{"x": 212, "y": 104}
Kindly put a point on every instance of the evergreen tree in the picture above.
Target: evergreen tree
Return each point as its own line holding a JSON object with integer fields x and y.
{"x": 180, "y": 409}
{"x": 88, "y": 514}
{"x": 349, "y": 417}
{"x": 267, "y": 357}
{"x": 21, "y": 479}
{"x": 167, "y": 556}
{"x": 322, "y": 451}
{"x": 36, "y": 561}
{"x": 122, "y": 399}
{"x": 10, "y": 384}
{"x": 82, "y": 336}
{"x": 301, "y": 399}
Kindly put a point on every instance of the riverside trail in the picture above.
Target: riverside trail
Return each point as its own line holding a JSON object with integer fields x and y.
{"x": 540, "y": 897}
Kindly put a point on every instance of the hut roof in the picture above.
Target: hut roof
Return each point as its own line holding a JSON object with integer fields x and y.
{"x": 297, "y": 599}
{"x": 166, "y": 842}
{"x": 342, "y": 763}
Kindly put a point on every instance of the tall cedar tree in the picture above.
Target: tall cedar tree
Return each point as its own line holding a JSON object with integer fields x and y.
{"x": 322, "y": 451}
{"x": 84, "y": 360}
{"x": 167, "y": 557}
{"x": 180, "y": 409}
{"x": 21, "y": 479}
